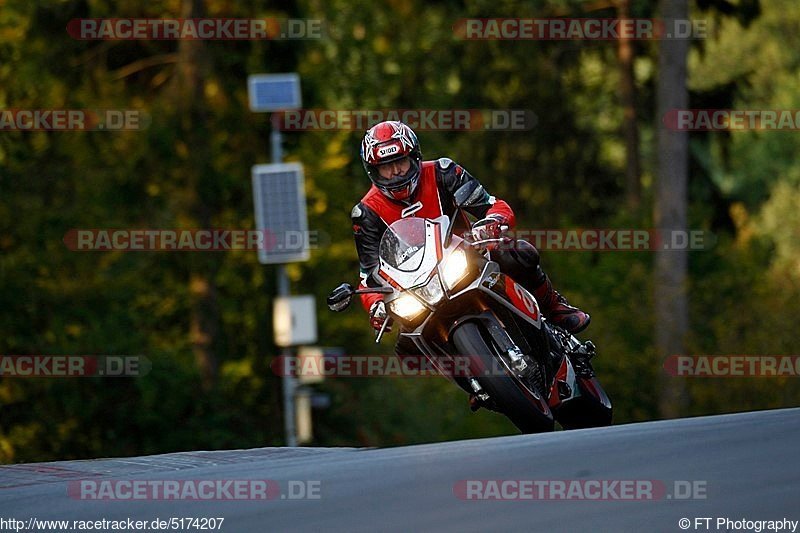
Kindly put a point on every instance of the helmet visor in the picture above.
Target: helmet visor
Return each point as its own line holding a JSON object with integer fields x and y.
{"x": 395, "y": 174}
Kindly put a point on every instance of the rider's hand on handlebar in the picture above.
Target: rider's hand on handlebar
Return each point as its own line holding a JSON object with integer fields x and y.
{"x": 491, "y": 227}
{"x": 377, "y": 316}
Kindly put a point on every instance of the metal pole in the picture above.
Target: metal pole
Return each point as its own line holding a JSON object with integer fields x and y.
{"x": 288, "y": 383}
{"x": 275, "y": 140}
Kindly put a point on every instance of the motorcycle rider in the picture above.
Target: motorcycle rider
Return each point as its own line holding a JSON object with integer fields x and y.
{"x": 404, "y": 185}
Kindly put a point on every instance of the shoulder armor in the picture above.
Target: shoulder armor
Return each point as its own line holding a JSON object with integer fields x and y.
{"x": 445, "y": 163}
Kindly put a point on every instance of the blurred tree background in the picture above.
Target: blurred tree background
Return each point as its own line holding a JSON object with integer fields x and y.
{"x": 203, "y": 319}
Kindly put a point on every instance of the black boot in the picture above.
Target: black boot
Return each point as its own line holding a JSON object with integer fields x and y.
{"x": 557, "y": 310}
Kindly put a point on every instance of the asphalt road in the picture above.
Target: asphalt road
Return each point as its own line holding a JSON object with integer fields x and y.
{"x": 740, "y": 467}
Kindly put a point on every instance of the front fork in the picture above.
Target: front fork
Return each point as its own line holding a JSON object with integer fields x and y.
{"x": 513, "y": 360}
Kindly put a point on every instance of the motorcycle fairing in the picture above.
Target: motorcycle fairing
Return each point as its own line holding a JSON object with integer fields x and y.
{"x": 417, "y": 263}
{"x": 511, "y": 294}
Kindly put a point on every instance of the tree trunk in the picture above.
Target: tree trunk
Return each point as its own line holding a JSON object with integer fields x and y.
{"x": 187, "y": 91}
{"x": 670, "y": 206}
{"x": 633, "y": 193}
{"x": 204, "y": 325}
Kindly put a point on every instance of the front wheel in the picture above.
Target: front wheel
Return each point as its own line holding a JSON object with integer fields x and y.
{"x": 529, "y": 414}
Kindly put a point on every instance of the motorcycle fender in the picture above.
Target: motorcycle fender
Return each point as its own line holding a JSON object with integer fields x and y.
{"x": 513, "y": 295}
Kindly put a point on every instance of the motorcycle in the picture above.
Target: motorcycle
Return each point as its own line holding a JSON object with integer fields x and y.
{"x": 460, "y": 311}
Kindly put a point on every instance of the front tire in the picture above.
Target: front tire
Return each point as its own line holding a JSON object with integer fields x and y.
{"x": 519, "y": 405}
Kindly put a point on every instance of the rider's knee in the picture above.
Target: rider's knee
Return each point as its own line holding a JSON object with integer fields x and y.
{"x": 523, "y": 255}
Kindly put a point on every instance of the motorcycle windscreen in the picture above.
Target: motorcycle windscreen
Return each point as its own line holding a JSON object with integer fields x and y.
{"x": 410, "y": 250}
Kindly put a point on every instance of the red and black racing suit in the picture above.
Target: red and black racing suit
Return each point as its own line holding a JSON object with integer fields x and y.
{"x": 433, "y": 198}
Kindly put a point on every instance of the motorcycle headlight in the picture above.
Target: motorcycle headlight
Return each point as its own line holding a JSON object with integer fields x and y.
{"x": 406, "y": 306}
{"x": 432, "y": 293}
{"x": 455, "y": 268}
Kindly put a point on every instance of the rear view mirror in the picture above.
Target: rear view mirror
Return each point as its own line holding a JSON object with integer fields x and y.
{"x": 339, "y": 298}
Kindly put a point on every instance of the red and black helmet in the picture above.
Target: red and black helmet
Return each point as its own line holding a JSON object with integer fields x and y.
{"x": 391, "y": 141}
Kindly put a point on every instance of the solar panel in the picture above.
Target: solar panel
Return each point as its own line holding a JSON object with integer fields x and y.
{"x": 280, "y": 204}
{"x": 273, "y": 92}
